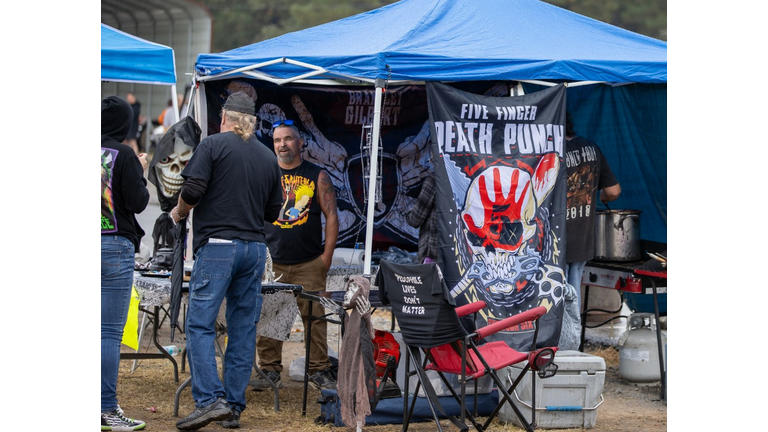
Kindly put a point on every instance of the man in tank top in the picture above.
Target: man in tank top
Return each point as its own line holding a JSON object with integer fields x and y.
{"x": 298, "y": 251}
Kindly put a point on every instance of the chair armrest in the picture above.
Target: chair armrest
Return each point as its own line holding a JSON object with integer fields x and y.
{"x": 469, "y": 308}
{"x": 529, "y": 315}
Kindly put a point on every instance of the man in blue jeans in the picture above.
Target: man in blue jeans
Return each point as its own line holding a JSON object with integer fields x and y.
{"x": 233, "y": 182}
{"x": 123, "y": 194}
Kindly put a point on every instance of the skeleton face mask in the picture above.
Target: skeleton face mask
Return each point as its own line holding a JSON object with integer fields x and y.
{"x": 350, "y": 297}
{"x": 169, "y": 169}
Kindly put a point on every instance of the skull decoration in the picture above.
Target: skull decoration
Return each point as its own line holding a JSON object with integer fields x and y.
{"x": 502, "y": 219}
{"x": 268, "y": 115}
{"x": 500, "y": 210}
{"x": 169, "y": 168}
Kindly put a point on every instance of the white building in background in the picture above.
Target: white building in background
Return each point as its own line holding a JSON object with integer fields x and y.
{"x": 184, "y": 25}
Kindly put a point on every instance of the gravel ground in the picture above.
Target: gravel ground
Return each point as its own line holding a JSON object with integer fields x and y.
{"x": 627, "y": 407}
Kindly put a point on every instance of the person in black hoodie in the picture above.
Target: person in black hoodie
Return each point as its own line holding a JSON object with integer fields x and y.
{"x": 123, "y": 194}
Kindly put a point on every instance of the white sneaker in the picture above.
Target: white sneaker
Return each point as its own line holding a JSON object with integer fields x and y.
{"x": 116, "y": 421}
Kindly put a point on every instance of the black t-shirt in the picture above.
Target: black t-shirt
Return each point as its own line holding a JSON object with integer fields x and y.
{"x": 421, "y": 303}
{"x": 588, "y": 172}
{"x": 297, "y": 234}
{"x": 243, "y": 181}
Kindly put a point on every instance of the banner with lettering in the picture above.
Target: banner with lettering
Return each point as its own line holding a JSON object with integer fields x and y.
{"x": 501, "y": 194}
{"x": 332, "y": 121}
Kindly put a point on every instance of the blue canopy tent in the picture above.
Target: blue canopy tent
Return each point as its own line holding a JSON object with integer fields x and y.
{"x": 529, "y": 41}
{"x": 127, "y": 58}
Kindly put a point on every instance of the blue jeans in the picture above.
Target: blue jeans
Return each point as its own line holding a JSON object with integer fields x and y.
{"x": 230, "y": 270}
{"x": 573, "y": 272}
{"x": 117, "y": 262}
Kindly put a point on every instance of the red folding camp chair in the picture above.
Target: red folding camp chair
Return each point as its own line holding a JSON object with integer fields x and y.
{"x": 431, "y": 325}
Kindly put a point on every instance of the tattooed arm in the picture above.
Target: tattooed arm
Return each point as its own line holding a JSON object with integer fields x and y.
{"x": 327, "y": 201}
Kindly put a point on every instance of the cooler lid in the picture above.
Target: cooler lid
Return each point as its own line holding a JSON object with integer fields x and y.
{"x": 575, "y": 361}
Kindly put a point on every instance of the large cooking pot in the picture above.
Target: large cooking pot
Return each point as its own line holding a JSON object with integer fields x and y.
{"x": 617, "y": 235}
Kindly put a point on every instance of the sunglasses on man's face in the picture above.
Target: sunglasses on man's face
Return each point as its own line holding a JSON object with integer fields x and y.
{"x": 282, "y": 122}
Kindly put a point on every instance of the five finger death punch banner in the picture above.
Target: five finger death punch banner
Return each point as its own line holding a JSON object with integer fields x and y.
{"x": 501, "y": 192}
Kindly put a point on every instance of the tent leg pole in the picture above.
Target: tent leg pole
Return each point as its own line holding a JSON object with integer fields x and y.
{"x": 175, "y": 103}
{"x": 373, "y": 177}
{"x": 141, "y": 336}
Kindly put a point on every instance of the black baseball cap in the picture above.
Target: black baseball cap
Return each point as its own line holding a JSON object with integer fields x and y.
{"x": 241, "y": 103}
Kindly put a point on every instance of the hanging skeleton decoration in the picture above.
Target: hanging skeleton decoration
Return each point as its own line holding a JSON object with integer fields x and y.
{"x": 172, "y": 154}
{"x": 507, "y": 232}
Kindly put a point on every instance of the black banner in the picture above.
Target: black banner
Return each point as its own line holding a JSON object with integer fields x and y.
{"x": 331, "y": 121}
{"x": 501, "y": 203}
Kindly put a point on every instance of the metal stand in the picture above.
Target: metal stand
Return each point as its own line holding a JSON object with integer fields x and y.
{"x": 584, "y": 325}
{"x": 162, "y": 354}
{"x": 652, "y": 276}
{"x": 312, "y": 297}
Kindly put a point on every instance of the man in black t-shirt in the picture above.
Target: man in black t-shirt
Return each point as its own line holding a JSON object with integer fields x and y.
{"x": 299, "y": 254}
{"x": 588, "y": 172}
{"x": 233, "y": 183}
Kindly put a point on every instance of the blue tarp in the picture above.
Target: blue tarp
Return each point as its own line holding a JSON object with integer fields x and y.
{"x": 459, "y": 40}
{"x": 127, "y": 58}
{"x": 629, "y": 124}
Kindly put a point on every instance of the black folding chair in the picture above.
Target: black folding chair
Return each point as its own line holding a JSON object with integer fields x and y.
{"x": 431, "y": 327}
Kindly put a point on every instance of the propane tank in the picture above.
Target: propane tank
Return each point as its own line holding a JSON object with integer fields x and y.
{"x": 639, "y": 351}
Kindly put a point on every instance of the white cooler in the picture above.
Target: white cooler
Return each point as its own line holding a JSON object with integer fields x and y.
{"x": 567, "y": 400}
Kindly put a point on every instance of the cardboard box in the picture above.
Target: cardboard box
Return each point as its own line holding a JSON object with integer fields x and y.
{"x": 569, "y": 399}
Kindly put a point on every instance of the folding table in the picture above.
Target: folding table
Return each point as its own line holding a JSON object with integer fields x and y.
{"x": 154, "y": 292}
{"x": 267, "y": 288}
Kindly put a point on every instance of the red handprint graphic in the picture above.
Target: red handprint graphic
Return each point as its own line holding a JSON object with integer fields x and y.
{"x": 503, "y": 221}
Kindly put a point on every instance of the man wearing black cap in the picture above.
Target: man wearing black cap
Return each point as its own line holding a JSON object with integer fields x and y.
{"x": 123, "y": 194}
{"x": 233, "y": 182}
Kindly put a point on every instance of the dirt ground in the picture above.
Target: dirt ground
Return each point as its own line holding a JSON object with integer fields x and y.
{"x": 148, "y": 393}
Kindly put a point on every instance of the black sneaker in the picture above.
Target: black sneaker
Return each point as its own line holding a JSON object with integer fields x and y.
{"x": 324, "y": 379}
{"x": 117, "y": 421}
{"x": 231, "y": 422}
{"x": 200, "y": 417}
{"x": 261, "y": 384}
